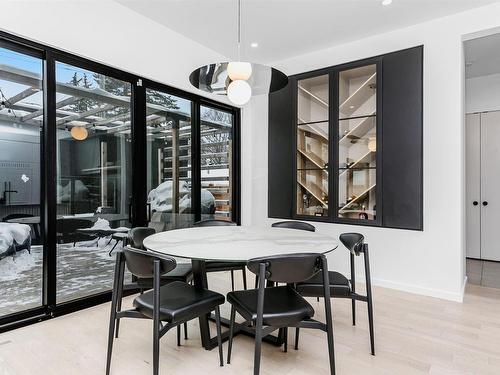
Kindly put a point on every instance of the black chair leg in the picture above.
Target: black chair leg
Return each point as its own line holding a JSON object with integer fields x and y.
{"x": 232, "y": 280}
{"x": 231, "y": 333}
{"x": 256, "y": 282}
{"x": 353, "y": 312}
{"x": 244, "y": 278}
{"x": 178, "y": 335}
{"x": 297, "y": 333}
{"x": 185, "y": 331}
{"x": 285, "y": 339}
{"x": 370, "y": 321}
{"x": 119, "y": 298}
{"x": 112, "y": 317}
{"x": 219, "y": 335}
{"x": 258, "y": 349}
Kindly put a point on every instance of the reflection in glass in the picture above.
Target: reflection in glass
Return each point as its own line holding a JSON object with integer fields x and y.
{"x": 357, "y": 143}
{"x": 312, "y": 146}
{"x": 216, "y": 164}
{"x": 93, "y": 178}
{"x": 21, "y": 122}
{"x": 169, "y": 159}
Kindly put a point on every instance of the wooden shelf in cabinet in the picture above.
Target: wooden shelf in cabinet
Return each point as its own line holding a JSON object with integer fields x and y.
{"x": 360, "y": 130}
{"x": 313, "y": 127}
{"x": 364, "y": 159}
{"x": 359, "y": 96}
{"x": 316, "y": 160}
{"x": 357, "y": 199}
{"x": 314, "y": 96}
{"x": 315, "y": 190}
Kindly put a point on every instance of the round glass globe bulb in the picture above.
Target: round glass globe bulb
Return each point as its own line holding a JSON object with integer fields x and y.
{"x": 239, "y": 92}
{"x": 238, "y": 70}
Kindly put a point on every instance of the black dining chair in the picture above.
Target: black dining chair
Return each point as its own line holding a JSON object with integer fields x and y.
{"x": 137, "y": 235}
{"x": 183, "y": 272}
{"x": 280, "y": 307}
{"x": 168, "y": 306}
{"x": 341, "y": 287}
{"x": 216, "y": 266}
{"x": 289, "y": 224}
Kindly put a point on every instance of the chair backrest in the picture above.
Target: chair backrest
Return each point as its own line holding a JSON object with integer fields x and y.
{"x": 138, "y": 234}
{"x": 288, "y": 268}
{"x": 300, "y": 225}
{"x": 214, "y": 223}
{"x": 353, "y": 241}
{"x": 141, "y": 262}
{"x": 15, "y": 216}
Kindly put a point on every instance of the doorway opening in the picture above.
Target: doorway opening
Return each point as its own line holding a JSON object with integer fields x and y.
{"x": 482, "y": 159}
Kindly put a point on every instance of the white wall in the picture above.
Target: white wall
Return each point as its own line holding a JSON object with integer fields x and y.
{"x": 429, "y": 262}
{"x": 482, "y": 93}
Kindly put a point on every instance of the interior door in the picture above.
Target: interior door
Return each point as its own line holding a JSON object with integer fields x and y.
{"x": 490, "y": 183}
{"x": 473, "y": 184}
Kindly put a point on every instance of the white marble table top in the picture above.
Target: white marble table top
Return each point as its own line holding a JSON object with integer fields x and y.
{"x": 238, "y": 243}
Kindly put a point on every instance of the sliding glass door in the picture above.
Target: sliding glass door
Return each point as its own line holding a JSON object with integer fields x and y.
{"x": 87, "y": 152}
{"x": 21, "y": 127}
{"x": 169, "y": 161}
{"x": 93, "y": 117}
{"x": 216, "y": 149}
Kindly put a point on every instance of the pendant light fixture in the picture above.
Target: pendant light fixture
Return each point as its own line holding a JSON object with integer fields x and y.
{"x": 239, "y": 80}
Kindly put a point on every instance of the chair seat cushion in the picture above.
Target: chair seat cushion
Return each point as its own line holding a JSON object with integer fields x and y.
{"x": 283, "y": 306}
{"x": 340, "y": 286}
{"x": 183, "y": 272}
{"x": 179, "y": 302}
{"x": 215, "y": 266}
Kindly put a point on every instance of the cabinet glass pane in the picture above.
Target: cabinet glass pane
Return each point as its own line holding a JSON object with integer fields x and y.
{"x": 312, "y": 146}
{"x": 357, "y": 143}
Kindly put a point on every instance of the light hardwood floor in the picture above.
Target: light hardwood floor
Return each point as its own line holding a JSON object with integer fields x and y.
{"x": 414, "y": 335}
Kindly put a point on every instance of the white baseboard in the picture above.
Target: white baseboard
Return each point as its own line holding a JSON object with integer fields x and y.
{"x": 437, "y": 293}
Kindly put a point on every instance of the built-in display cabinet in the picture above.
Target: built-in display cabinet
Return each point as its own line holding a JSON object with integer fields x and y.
{"x": 345, "y": 143}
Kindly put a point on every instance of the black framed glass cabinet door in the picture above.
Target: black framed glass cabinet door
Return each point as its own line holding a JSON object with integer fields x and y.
{"x": 356, "y": 115}
{"x": 368, "y": 168}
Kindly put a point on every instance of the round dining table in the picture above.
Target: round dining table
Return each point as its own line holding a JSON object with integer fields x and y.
{"x": 234, "y": 244}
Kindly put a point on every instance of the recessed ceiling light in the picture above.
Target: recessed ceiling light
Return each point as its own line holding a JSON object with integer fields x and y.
{"x": 254, "y": 44}
{"x": 386, "y": 2}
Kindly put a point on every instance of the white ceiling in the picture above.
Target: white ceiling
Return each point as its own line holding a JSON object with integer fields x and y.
{"x": 286, "y": 28}
{"x": 482, "y": 56}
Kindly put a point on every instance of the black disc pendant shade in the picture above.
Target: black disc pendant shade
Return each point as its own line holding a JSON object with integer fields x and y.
{"x": 213, "y": 78}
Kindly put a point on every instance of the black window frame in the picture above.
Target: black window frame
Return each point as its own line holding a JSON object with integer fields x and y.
{"x": 48, "y": 142}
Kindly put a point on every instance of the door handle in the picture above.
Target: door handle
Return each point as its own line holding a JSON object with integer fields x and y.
{"x": 475, "y": 203}
{"x": 485, "y": 203}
